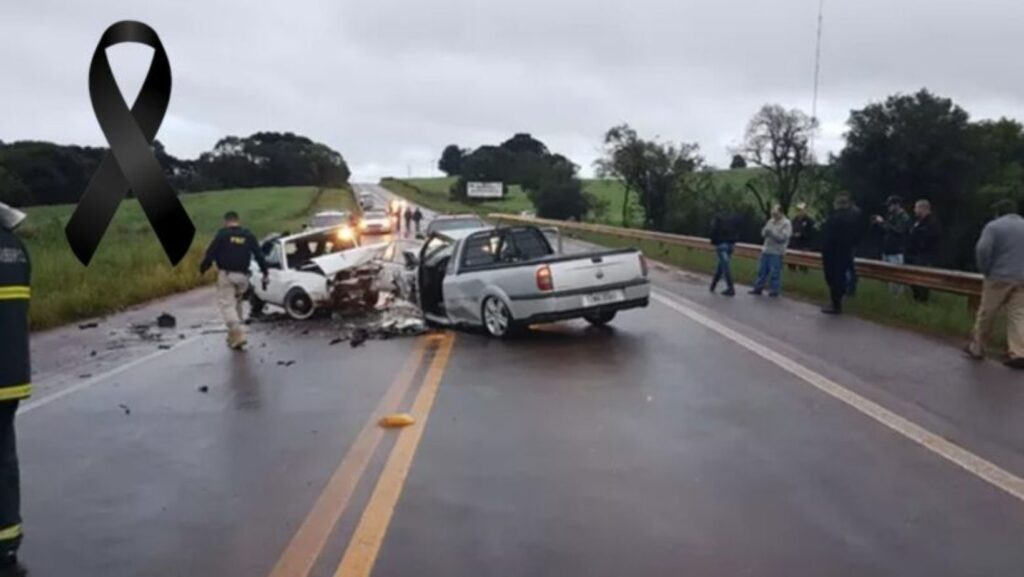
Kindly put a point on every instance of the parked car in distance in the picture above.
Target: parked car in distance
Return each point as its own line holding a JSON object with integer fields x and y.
{"x": 506, "y": 278}
{"x": 450, "y": 222}
{"x": 367, "y": 201}
{"x": 317, "y": 270}
{"x": 330, "y": 218}
{"x": 375, "y": 222}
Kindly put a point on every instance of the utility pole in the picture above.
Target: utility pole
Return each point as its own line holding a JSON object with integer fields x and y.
{"x": 817, "y": 67}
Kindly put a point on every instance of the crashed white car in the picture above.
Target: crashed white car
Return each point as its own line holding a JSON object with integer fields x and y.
{"x": 321, "y": 269}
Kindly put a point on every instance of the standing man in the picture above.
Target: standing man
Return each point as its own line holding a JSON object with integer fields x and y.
{"x": 776, "y": 232}
{"x": 232, "y": 250}
{"x": 724, "y": 236}
{"x": 417, "y": 216}
{"x": 15, "y": 377}
{"x": 1000, "y": 257}
{"x": 839, "y": 238}
{"x": 895, "y": 232}
{"x": 923, "y": 246}
{"x": 408, "y": 220}
{"x": 804, "y": 231}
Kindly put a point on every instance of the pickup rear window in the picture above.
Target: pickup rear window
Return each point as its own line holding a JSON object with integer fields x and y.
{"x": 506, "y": 246}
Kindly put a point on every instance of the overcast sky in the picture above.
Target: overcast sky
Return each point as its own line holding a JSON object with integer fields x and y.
{"x": 389, "y": 83}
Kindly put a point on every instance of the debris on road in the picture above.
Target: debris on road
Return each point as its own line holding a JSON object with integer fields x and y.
{"x": 84, "y": 326}
{"x": 397, "y": 420}
{"x": 204, "y": 389}
{"x": 285, "y": 363}
{"x": 164, "y": 347}
{"x": 166, "y": 321}
{"x": 359, "y": 337}
{"x": 126, "y": 409}
{"x": 335, "y": 341}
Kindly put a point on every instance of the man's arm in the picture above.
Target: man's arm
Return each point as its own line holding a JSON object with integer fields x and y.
{"x": 983, "y": 250}
{"x": 257, "y": 254}
{"x": 211, "y": 252}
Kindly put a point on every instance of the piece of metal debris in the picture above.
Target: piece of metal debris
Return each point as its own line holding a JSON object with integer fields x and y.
{"x": 84, "y": 326}
{"x": 359, "y": 337}
{"x": 204, "y": 389}
{"x": 285, "y": 363}
{"x": 166, "y": 321}
{"x": 126, "y": 409}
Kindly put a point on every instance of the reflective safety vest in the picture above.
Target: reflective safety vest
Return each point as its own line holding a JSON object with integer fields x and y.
{"x": 15, "y": 272}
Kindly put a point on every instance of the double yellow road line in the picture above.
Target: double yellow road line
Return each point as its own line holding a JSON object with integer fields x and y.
{"x": 308, "y": 542}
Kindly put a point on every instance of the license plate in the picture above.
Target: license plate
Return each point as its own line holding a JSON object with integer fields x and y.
{"x": 603, "y": 298}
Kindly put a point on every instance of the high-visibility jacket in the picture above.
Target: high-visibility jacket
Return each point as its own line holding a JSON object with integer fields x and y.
{"x": 15, "y": 273}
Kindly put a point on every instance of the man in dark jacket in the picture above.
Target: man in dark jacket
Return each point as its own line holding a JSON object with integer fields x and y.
{"x": 724, "y": 234}
{"x": 232, "y": 250}
{"x": 923, "y": 246}
{"x": 15, "y": 378}
{"x": 839, "y": 238}
{"x": 895, "y": 227}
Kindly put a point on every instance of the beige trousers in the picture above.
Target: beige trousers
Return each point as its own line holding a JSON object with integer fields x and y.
{"x": 994, "y": 296}
{"x": 231, "y": 286}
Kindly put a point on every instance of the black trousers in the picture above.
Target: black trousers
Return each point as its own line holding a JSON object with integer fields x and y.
{"x": 920, "y": 293}
{"x": 836, "y": 267}
{"x": 10, "y": 484}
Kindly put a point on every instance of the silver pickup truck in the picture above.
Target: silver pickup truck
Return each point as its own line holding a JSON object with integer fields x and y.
{"x": 506, "y": 278}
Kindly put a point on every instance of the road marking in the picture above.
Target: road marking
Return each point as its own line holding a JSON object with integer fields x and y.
{"x": 46, "y": 400}
{"x": 373, "y": 525}
{"x": 302, "y": 552}
{"x": 978, "y": 466}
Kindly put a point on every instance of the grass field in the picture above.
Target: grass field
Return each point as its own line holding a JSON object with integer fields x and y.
{"x": 433, "y": 192}
{"x": 946, "y": 314}
{"x": 130, "y": 267}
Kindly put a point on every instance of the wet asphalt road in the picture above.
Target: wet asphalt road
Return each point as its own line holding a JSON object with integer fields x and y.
{"x": 661, "y": 446}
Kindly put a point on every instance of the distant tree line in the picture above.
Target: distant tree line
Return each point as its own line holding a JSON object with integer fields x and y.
{"x": 550, "y": 180}
{"x": 915, "y": 146}
{"x": 33, "y": 173}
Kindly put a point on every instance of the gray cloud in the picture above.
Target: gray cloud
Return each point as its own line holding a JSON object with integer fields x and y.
{"x": 389, "y": 82}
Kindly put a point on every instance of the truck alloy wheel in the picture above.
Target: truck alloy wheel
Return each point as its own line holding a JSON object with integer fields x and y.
{"x": 497, "y": 318}
{"x": 298, "y": 304}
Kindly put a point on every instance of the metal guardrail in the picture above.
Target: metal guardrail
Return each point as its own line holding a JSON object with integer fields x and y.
{"x": 951, "y": 281}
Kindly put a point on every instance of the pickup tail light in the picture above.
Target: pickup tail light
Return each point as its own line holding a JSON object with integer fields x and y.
{"x": 643, "y": 265}
{"x": 544, "y": 280}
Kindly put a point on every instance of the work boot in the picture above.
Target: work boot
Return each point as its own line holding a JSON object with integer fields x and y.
{"x": 236, "y": 338}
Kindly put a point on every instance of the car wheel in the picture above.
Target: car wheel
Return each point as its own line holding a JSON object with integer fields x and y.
{"x": 497, "y": 318}
{"x": 298, "y": 304}
{"x": 600, "y": 319}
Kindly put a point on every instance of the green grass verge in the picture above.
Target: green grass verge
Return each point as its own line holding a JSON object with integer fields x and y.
{"x": 130, "y": 267}
{"x": 945, "y": 315}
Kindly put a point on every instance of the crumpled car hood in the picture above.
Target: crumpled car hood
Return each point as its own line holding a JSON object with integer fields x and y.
{"x": 332, "y": 264}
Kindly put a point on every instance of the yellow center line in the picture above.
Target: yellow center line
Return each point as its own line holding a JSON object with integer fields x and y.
{"x": 373, "y": 525}
{"x": 298, "y": 558}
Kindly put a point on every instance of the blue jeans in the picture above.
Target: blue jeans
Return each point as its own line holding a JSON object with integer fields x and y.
{"x": 770, "y": 270}
{"x": 724, "y": 268}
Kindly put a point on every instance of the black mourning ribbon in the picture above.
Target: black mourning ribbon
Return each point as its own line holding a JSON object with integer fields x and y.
{"x": 130, "y": 164}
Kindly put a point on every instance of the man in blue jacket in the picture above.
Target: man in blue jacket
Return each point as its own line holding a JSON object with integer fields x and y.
{"x": 232, "y": 250}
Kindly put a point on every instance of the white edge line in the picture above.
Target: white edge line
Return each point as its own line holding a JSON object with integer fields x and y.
{"x": 978, "y": 466}
{"x": 43, "y": 401}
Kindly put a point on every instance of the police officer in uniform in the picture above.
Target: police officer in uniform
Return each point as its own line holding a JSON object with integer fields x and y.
{"x": 232, "y": 250}
{"x": 15, "y": 381}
